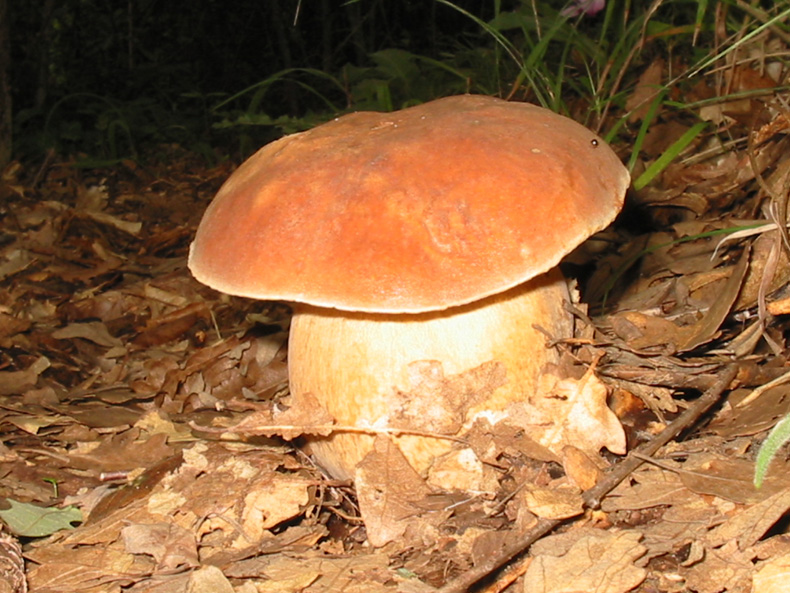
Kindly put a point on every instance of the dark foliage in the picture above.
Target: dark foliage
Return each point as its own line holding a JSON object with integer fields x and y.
{"x": 97, "y": 76}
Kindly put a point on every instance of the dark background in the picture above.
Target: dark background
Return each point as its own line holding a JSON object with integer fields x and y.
{"x": 104, "y": 79}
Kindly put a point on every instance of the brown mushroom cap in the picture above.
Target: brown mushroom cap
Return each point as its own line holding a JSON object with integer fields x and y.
{"x": 418, "y": 210}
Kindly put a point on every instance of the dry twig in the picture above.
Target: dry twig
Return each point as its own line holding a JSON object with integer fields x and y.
{"x": 593, "y": 496}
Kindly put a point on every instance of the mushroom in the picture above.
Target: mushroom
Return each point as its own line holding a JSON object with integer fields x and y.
{"x": 419, "y": 250}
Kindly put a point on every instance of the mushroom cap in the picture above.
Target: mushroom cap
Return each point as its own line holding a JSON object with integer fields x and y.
{"x": 418, "y": 210}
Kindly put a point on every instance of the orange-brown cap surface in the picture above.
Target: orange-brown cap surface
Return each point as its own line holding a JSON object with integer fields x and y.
{"x": 418, "y": 210}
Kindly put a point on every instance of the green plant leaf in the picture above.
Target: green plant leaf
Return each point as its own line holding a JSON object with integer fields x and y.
{"x": 778, "y": 436}
{"x": 28, "y": 520}
{"x": 397, "y": 64}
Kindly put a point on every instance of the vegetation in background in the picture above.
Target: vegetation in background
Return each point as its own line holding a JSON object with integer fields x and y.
{"x": 104, "y": 79}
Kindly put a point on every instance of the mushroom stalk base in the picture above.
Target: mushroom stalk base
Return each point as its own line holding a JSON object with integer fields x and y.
{"x": 429, "y": 373}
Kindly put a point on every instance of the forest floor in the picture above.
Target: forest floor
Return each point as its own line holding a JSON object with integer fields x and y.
{"x": 117, "y": 366}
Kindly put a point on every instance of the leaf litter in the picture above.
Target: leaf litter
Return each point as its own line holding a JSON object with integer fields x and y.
{"x": 155, "y": 407}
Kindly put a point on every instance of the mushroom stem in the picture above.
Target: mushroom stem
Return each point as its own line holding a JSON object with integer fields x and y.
{"x": 429, "y": 372}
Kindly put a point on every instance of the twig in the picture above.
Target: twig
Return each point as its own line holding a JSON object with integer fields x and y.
{"x": 592, "y": 497}
{"x": 780, "y": 380}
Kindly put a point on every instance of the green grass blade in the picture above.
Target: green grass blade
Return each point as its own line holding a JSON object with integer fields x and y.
{"x": 669, "y": 155}
{"x": 645, "y": 128}
{"x": 283, "y": 75}
{"x": 742, "y": 41}
{"x": 533, "y": 77}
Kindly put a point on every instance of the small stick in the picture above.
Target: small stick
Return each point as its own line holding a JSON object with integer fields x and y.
{"x": 592, "y": 497}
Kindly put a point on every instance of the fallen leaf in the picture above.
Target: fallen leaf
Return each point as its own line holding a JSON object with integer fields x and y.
{"x": 16, "y": 382}
{"x": 580, "y": 467}
{"x": 724, "y": 569}
{"x": 654, "y": 488}
{"x": 95, "y": 331}
{"x": 748, "y": 417}
{"x": 752, "y": 523}
{"x": 124, "y": 451}
{"x": 29, "y": 520}
{"x": 460, "y": 469}
{"x": 314, "y": 572}
{"x": 553, "y": 503}
{"x": 772, "y": 575}
{"x": 581, "y": 418}
{"x": 269, "y": 503}
{"x": 208, "y": 579}
{"x": 647, "y": 87}
{"x": 388, "y": 489}
{"x": 730, "y": 479}
{"x": 600, "y": 561}
{"x": 82, "y": 568}
{"x": 170, "y": 545}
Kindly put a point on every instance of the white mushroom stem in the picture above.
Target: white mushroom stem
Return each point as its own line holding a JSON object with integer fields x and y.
{"x": 430, "y": 372}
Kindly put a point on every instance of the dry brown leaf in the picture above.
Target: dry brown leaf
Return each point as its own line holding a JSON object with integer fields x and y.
{"x": 11, "y": 326}
{"x": 208, "y": 579}
{"x": 124, "y": 451}
{"x": 298, "y": 580}
{"x": 730, "y": 479}
{"x": 317, "y": 573}
{"x": 234, "y": 494}
{"x": 747, "y": 418}
{"x": 32, "y": 424}
{"x": 14, "y": 261}
{"x": 116, "y": 502}
{"x": 600, "y": 561}
{"x": 506, "y": 438}
{"x": 722, "y": 569}
{"x": 388, "y": 489}
{"x": 678, "y": 528}
{"x": 95, "y": 331}
{"x": 772, "y": 576}
{"x": 647, "y": 87}
{"x": 170, "y": 545}
{"x": 653, "y": 488}
{"x": 580, "y": 467}
{"x": 581, "y": 418}
{"x": 752, "y": 523}
{"x": 269, "y": 503}
{"x": 761, "y": 249}
{"x": 742, "y": 78}
{"x": 16, "y": 382}
{"x": 171, "y": 326}
{"x": 460, "y": 469}
{"x": 78, "y": 569}
{"x": 643, "y": 331}
{"x": 559, "y": 502}
{"x": 721, "y": 302}
{"x": 246, "y": 562}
